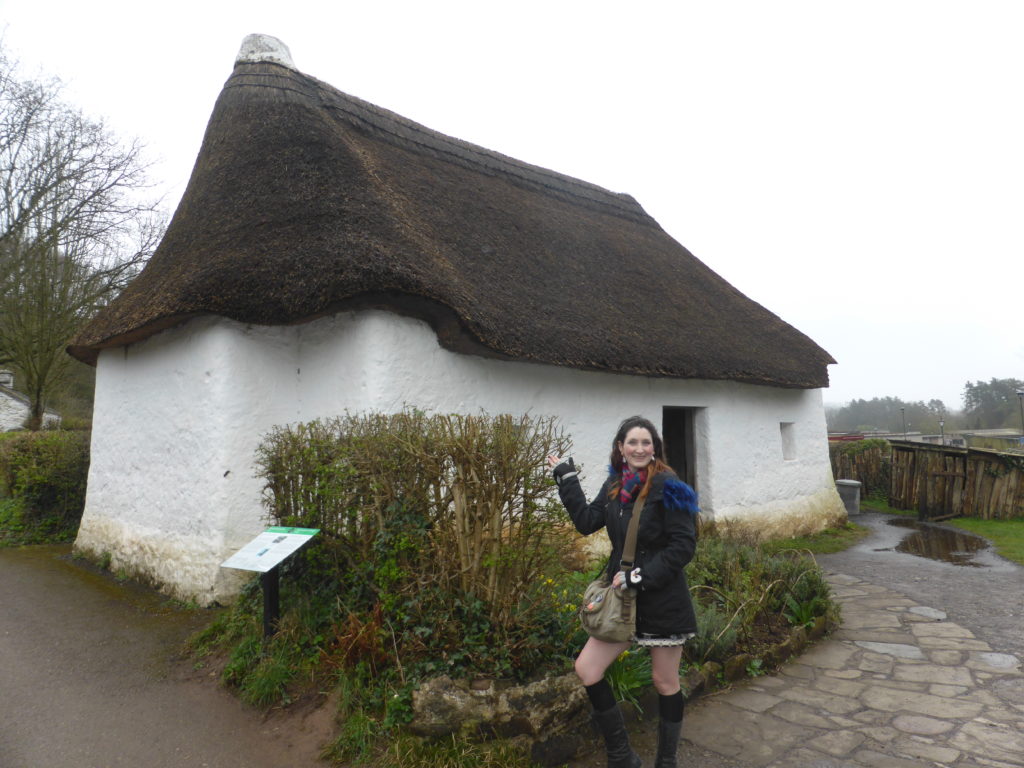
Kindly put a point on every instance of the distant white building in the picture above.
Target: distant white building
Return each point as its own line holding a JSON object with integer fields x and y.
{"x": 329, "y": 255}
{"x": 15, "y": 407}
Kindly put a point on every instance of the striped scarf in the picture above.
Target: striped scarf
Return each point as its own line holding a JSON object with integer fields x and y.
{"x": 632, "y": 482}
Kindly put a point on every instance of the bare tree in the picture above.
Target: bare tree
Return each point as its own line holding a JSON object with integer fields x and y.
{"x": 74, "y": 226}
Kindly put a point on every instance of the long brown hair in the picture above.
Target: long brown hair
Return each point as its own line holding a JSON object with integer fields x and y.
{"x": 616, "y": 460}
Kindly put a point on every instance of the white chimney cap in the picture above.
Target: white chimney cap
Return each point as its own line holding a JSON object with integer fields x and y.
{"x": 264, "y": 48}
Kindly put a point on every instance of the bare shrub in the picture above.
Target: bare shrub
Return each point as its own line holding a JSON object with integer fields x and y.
{"x": 475, "y": 485}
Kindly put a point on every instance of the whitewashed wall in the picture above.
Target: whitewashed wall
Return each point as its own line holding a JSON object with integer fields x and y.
{"x": 14, "y": 411}
{"x": 178, "y": 417}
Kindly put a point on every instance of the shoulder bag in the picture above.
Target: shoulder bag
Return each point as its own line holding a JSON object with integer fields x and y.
{"x": 609, "y": 613}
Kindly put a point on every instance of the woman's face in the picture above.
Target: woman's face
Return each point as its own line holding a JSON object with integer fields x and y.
{"x": 638, "y": 448}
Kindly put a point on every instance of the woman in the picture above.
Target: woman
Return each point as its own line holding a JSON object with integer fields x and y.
{"x": 666, "y": 539}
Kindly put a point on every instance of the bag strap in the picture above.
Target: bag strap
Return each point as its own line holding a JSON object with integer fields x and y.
{"x": 629, "y": 547}
{"x": 629, "y": 555}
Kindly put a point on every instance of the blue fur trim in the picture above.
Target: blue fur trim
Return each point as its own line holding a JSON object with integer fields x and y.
{"x": 678, "y": 495}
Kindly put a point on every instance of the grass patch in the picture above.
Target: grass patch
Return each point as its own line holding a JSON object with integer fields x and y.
{"x": 880, "y": 505}
{"x": 450, "y": 753}
{"x": 1007, "y": 536}
{"x": 823, "y": 543}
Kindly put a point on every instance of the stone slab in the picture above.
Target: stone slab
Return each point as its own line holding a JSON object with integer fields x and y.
{"x": 935, "y": 753}
{"x": 837, "y": 743}
{"x": 898, "y": 650}
{"x": 933, "y": 673}
{"x": 839, "y": 687}
{"x": 880, "y": 733}
{"x": 801, "y": 714}
{"x": 872, "y": 759}
{"x": 895, "y": 700}
{"x": 841, "y": 578}
{"x": 873, "y": 636}
{"x": 989, "y": 739}
{"x": 869, "y": 619}
{"x": 1010, "y": 690}
{"x": 837, "y": 705}
{"x": 830, "y": 655}
{"x": 928, "y": 613}
{"x": 894, "y": 601}
{"x": 921, "y": 725}
{"x": 953, "y": 644}
{"x": 941, "y": 629}
{"x": 756, "y": 739}
{"x": 995, "y": 663}
{"x": 949, "y": 658}
{"x": 844, "y": 674}
{"x": 948, "y": 691}
{"x": 809, "y": 758}
{"x": 753, "y": 701}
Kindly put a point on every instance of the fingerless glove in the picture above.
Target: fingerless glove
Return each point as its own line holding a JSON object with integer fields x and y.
{"x": 564, "y": 471}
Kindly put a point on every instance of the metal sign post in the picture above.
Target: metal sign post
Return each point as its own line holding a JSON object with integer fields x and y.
{"x": 264, "y": 554}
{"x": 271, "y": 601}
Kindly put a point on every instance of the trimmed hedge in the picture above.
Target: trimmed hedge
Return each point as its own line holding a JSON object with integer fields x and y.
{"x": 42, "y": 484}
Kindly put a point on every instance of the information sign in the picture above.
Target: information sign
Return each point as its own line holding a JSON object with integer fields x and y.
{"x": 269, "y": 548}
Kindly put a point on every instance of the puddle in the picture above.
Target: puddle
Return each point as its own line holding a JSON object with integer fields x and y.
{"x": 936, "y": 543}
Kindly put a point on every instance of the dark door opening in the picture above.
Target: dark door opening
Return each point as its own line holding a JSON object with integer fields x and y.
{"x": 677, "y": 432}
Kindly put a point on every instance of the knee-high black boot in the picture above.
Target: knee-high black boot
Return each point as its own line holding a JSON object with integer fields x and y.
{"x": 670, "y": 724}
{"x": 616, "y": 740}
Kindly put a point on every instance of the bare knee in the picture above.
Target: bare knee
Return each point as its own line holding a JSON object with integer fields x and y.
{"x": 665, "y": 670}
{"x": 665, "y": 684}
{"x": 587, "y": 672}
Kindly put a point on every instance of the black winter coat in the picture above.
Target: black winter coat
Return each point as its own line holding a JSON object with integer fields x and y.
{"x": 666, "y": 540}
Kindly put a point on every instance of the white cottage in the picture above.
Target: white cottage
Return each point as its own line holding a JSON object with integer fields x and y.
{"x": 16, "y": 407}
{"x": 331, "y": 255}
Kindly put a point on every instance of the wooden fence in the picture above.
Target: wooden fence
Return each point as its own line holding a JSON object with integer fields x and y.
{"x": 938, "y": 481}
{"x": 942, "y": 482}
{"x": 866, "y": 461}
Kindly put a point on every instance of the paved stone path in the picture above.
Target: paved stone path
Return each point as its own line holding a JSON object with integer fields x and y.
{"x": 897, "y": 686}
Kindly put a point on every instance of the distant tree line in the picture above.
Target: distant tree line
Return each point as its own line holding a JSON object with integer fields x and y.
{"x": 986, "y": 405}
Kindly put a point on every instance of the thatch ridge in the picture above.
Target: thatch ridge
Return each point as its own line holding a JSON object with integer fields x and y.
{"x": 305, "y": 201}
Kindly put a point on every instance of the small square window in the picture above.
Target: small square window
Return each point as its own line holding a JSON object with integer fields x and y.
{"x": 788, "y": 433}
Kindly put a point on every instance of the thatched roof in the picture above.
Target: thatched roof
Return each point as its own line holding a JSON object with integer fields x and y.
{"x": 305, "y": 201}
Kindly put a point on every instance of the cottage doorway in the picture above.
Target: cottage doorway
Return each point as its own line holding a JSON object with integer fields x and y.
{"x": 677, "y": 432}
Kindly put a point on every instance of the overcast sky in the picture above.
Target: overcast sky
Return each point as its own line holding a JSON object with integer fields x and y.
{"x": 855, "y": 167}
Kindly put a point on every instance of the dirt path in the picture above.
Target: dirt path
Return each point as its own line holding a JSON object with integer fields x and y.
{"x": 90, "y": 679}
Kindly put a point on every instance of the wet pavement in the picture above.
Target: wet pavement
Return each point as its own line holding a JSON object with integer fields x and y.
{"x": 943, "y": 543}
{"x": 925, "y": 669}
{"x": 897, "y": 685}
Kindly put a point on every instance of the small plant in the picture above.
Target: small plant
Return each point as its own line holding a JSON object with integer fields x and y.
{"x": 629, "y": 675}
{"x": 755, "y": 668}
{"x": 802, "y": 614}
{"x": 715, "y": 638}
